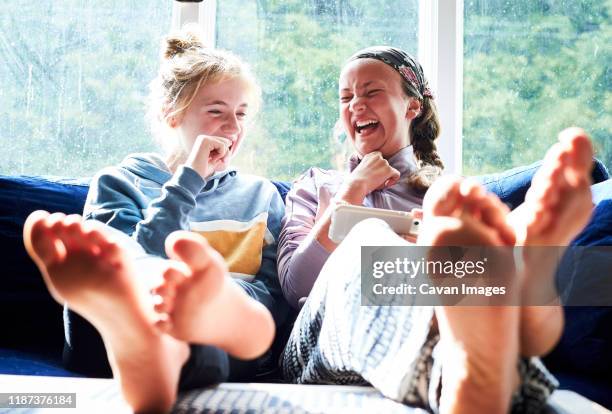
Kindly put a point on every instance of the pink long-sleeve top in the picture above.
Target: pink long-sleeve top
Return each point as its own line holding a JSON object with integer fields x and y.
{"x": 300, "y": 257}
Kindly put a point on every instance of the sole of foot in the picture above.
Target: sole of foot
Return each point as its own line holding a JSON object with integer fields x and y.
{"x": 483, "y": 361}
{"x": 204, "y": 305}
{"x": 82, "y": 266}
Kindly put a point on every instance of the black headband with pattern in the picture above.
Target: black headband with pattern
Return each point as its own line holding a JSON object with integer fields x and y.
{"x": 402, "y": 62}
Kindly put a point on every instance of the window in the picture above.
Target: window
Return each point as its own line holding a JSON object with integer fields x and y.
{"x": 532, "y": 68}
{"x": 73, "y": 78}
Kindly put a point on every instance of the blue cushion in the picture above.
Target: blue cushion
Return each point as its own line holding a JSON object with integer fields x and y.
{"x": 22, "y": 194}
{"x": 22, "y": 291}
{"x": 596, "y": 389}
{"x": 27, "y": 363}
{"x": 512, "y": 185}
{"x": 283, "y": 188}
{"x": 587, "y": 338}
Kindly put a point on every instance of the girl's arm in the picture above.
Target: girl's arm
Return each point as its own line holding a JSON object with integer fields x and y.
{"x": 304, "y": 243}
{"x": 116, "y": 198}
{"x": 373, "y": 172}
{"x": 300, "y": 255}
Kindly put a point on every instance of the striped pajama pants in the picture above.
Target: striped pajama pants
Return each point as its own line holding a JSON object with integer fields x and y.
{"x": 335, "y": 340}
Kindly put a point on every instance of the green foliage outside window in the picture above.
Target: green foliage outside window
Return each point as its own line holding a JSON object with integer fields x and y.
{"x": 74, "y": 75}
{"x": 73, "y": 78}
{"x": 532, "y": 68}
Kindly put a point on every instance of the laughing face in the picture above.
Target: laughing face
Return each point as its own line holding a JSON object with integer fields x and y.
{"x": 374, "y": 110}
{"x": 218, "y": 109}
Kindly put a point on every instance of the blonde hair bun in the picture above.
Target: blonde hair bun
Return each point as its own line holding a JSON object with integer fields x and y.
{"x": 177, "y": 43}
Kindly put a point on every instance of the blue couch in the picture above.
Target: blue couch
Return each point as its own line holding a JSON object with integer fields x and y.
{"x": 32, "y": 341}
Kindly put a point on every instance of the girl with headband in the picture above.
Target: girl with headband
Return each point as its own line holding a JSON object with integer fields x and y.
{"x": 418, "y": 355}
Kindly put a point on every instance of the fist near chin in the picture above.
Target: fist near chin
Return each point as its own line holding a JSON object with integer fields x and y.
{"x": 207, "y": 153}
{"x": 374, "y": 173}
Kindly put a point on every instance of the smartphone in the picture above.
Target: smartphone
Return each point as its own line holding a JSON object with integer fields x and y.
{"x": 344, "y": 217}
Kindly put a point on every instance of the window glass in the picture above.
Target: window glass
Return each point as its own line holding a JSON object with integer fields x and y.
{"x": 73, "y": 79}
{"x": 297, "y": 49}
{"x": 532, "y": 68}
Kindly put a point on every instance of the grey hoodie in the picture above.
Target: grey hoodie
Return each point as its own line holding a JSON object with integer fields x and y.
{"x": 238, "y": 214}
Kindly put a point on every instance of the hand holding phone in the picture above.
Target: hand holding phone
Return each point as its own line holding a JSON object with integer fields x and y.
{"x": 344, "y": 217}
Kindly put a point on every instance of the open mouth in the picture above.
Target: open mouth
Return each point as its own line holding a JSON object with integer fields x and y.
{"x": 365, "y": 126}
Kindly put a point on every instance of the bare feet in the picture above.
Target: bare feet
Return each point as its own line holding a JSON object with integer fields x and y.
{"x": 83, "y": 267}
{"x": 558, "y": 204}
{"x": 557, "y": 207}
{"x": 204, "y": 305}
{"x": 480, "y": 344}
{"x": 483, "y": 361}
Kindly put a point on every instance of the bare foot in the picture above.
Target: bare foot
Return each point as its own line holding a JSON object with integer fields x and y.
{"x": 458, "y": 212}
{"x": 86, "y": 269}
{"x": 557, "y": 207}
{"x": 204, "y": 305}
{"x": 480, "y": 344}
{"x": 558, "y": 204}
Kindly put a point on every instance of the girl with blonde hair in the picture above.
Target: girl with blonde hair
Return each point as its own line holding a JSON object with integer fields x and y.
{"x": 218, "y": 299}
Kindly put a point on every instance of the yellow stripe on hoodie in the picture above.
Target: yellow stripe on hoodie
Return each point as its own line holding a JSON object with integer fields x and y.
{"x": 240, "y": 243}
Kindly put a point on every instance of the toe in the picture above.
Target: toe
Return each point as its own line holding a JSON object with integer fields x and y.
{"x": 95, "y": 235}
{"x": 552, "y": 160}
{"x": 173, "y": 275}
{"x": 494, "y": 214}
{"x": 164, "y": 325}
{"x": 546, "y": 185}
{"x": 470, "y": 189}
{"x": 190, "y": 248}
{"x": 40, "y": 242}
{"x": 540, "y": 221}
{"x": 451, "y": 231}
{"x": 473, "y": 195}
{"x": 579, "y": 146}
{"x": 440, "y": 231}
{"x": 551, "y": 189}
{"x": 113, "y": 253}
{"x": 56, "y": 225}
{"x": 55, "y": 221}
{"x": 164, "y": 306}
{"x": 443, "y": 198}
{"x": 95, "y": 238}
{"x": 72, "y": 233}
{"x": 165, "y": 290}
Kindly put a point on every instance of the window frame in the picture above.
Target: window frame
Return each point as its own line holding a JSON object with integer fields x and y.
{"x": 440, "y": 23}
{"x": 203, "y": 13}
